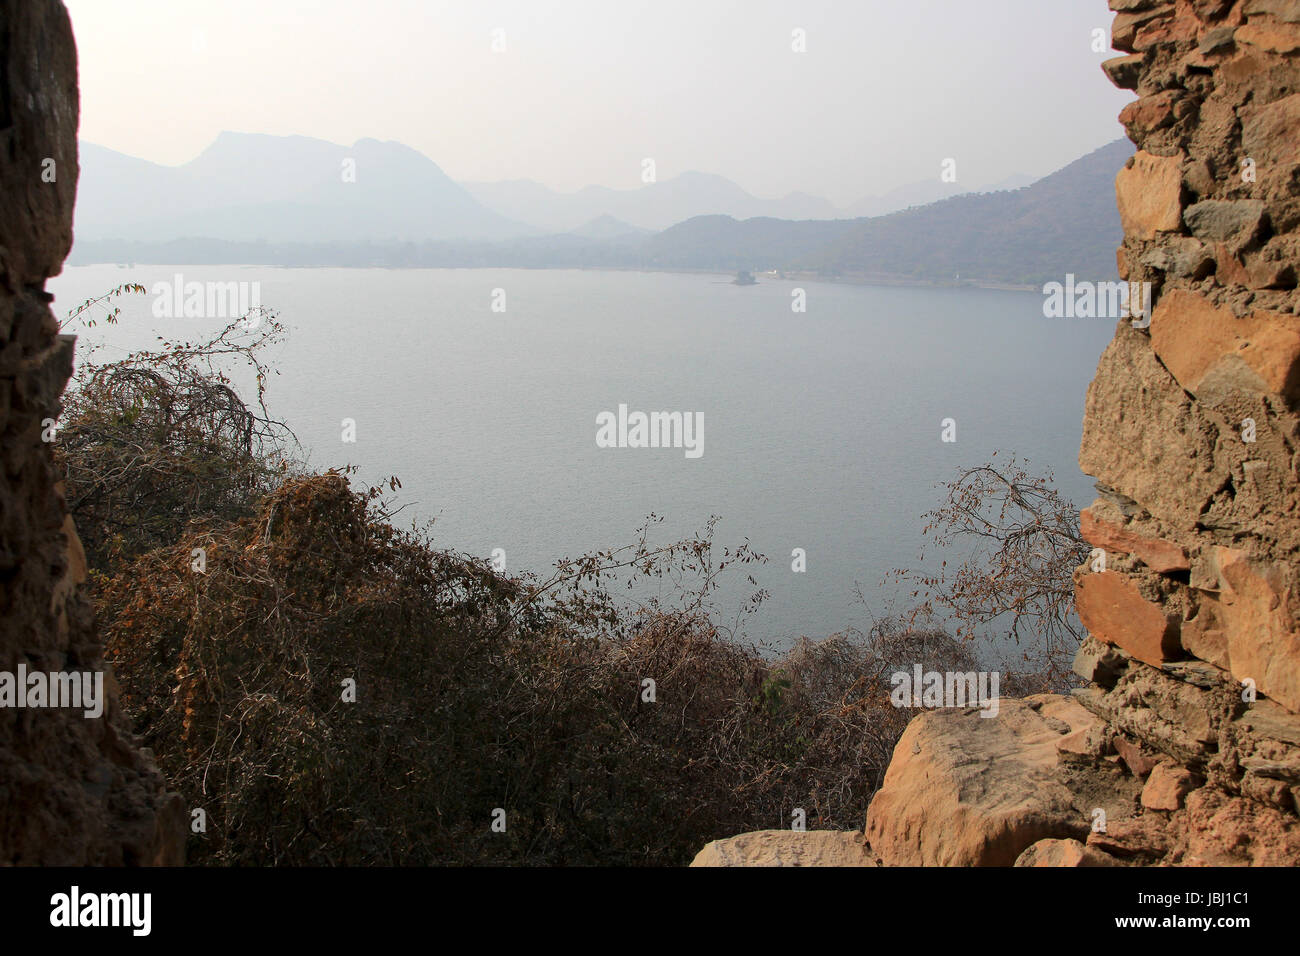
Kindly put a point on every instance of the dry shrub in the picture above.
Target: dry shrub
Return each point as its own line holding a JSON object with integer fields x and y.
{"x": 155, "y": 439}
{"x": 473, "y": 693}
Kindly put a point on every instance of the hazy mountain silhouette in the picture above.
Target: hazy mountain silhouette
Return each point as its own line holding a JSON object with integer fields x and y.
{"x": 250, "y": 187}
{"x": 653, "y": 207}
{"x": 1065, "y": 222}
{"x": 607, "y": 227}
{"x": 922, "y": 193}
{"x": 659, "y": 205}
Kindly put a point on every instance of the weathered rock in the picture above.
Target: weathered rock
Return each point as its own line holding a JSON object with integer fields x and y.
{"x": 1237, "y": 222}
{"x": 1258, "y": 617}
{"x": 1148, "y": 442}
{"x": 1270, "y": 135}
{"x": 1278, "y": 37}
{"x": 1203, "y": 636}
{"x": 963, "y": 790}
{"x": 73, "y": 790}
{"x": 1166, "y": 787}
{"x": 1139, "y": 763}
{"x": 1155, "y": 553}
{"x": 1150, "y": 112}
{"x": 1064, "y": 853}
{"x": 1124, "y": 70}
{"x": 1216, "y": 829}
{"x": 1216, "y": 356}
{"x": 1288, "y": 11}
{"x": 788, "y": 848}
{"x": 1149, "y": 194}
{"x": 1113, "y": 609}
{"x": 1217, "y": 40}
{"x": 1100, "y": 663}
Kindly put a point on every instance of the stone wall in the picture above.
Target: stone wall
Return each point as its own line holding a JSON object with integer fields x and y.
{"x": 73, "y": 789}
{"x": 1191, "y": 424}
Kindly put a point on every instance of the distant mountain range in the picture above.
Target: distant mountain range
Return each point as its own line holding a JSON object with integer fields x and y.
{"x": 252, "y": 187}
{"x": 922, "y": 193}
{"x": 1065, "y": 222}
{"x": 248, "y": 187}
{"x": 652, "y": 207}
{"x": 659, "y": 205}
{"x": 290, "y": 201}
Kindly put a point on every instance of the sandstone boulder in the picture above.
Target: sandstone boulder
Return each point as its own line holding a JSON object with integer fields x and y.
{"x": 788, "y": 848}
{"x": 964, "y": 790}
{"x": 1063, "y": 853}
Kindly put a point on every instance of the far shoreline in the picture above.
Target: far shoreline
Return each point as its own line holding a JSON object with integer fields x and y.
{"x": 764, "y": 277}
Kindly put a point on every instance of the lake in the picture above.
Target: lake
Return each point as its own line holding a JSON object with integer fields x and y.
{"x": 821, "y": 429}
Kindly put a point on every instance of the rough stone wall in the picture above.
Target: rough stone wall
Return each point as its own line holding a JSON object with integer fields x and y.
{"x": 73, "y": 790}
{"x": 1191, "y": 424}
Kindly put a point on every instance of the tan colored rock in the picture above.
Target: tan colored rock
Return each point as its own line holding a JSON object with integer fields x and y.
{"x": 1256, "y": 611}
{"x": 1270, "y": 135}
{"x": 1203, "y": 636}
{"x": 1167, "y": 785}
{"x": 1287, "y": 11}
{"x": 1149, "y": 194}
{"x": 788, "y": 848}
{"x": 1113, "y": 610}
{"x": 1276, "y": 37}
{"x": 1216, "y": 829}
{"x": 1124, "y": 70}
{"x": 963, "y": 790}
{"x": 1143, "y": 437}
{"x": 1138, "y": 763}
{"x": 1124, "y": 29}
{"x": 1149, "y": 113}
{"x": 1063, "y": 853}
{"x": 1215, "y": 355}
{"x": 1155, "y": 553}
{"x": 1142, "y": 840}
{"x": 1229, "y": 269}
{"x": 1174, "y": 30}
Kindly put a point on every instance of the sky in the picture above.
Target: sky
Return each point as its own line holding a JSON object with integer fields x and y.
{"x": 580, "y": 92}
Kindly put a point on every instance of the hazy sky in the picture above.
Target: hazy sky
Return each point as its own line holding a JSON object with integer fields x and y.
{"x": 586, "y": 89}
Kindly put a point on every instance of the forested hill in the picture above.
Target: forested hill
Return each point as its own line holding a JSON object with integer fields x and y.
{"x": 1066, "y": 222}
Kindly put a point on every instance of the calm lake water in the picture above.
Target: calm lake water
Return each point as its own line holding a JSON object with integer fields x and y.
{"x": 821, "y": 429}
